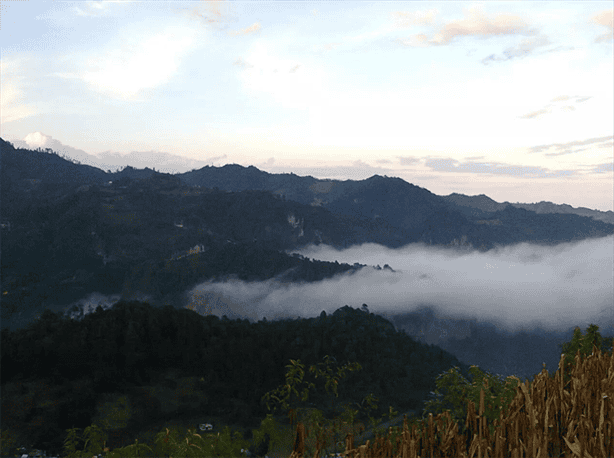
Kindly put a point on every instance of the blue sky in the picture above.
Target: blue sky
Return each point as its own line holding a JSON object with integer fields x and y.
{"x": 509, "y": 99}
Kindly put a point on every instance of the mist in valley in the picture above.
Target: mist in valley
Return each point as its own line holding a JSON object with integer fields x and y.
{"x": 516, "y": 288}
{"x": 438, "y": 295}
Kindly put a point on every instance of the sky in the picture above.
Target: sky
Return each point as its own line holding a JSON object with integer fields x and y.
{"x": 509, "y": 99}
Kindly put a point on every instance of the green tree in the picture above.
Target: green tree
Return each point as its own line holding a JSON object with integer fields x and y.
{"x": 287, "y": 397}
{"x": 584, "y": 345}
{"x": 454, "y": 392}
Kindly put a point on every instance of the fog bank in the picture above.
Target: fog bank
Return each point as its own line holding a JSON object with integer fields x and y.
{"x": 517, "y": 288}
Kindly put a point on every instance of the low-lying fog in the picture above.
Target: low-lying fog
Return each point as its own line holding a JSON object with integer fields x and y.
{"x": 516, "y": 288}
{"x": 435, "y": 294}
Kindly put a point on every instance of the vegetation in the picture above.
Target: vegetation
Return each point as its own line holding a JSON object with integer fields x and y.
{"x": 454, "y": 393}
{"x": 76, "y": 229}
{"x": 583, "y": 343}
{"x": 152, "y": 364}
{"x": 128, "y": 370}
{"x": 544, "y": 418}
{"x": 66, "y": 240}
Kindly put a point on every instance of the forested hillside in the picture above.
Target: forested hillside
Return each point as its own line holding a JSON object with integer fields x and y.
{"x": 69, "y": 230}
{"x": 138, "y": 237}
{"x": 59, "y": 373}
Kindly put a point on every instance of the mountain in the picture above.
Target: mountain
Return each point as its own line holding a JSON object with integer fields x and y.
{"x": 71, "y": 232}
{"x": 393, "y": 212}
{"x": 135, "y": 368}
{"x": 108, "y": 160}
{"x": 29, "y": 168}
{"x": 495, "y": 350}
{"x": 482, "y": 206}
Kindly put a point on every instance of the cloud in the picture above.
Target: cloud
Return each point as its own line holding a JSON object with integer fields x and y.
{"x": 93, "y": 9}
{"x": 405, "y": 160}
{"x": 606, "y": 167}
{"x": 163, "y": 162}
{"x": 359, "y": 170}
{"x": 475, "y": 24}
{"x": 525, "y": 48}
{"x": 517, "y": 287}
{"x": 38, "y": 140}
{"x": 288, "y": 82}
{"x": 241, "y": 63}
{"x": 404, "y": 19}
{"x": 495, "y": 168}
{"x": 211, "y": 13}
{"x": 572, "y": 147}
{"x": 536, "y": 114}
{"x": 604, "y": 18}
{"x": 141, "y": 62}
{"x": 556, "y": 106}
{"x": 248, "y": 30}
{"x": 331, "y": 46}
{"x": 13, "y": 106}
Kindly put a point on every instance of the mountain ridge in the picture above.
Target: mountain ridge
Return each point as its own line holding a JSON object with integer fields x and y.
{"x": 482, "y": 205}
{"x": 69, "y": 230}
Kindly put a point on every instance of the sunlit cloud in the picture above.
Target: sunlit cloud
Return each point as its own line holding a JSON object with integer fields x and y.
{"x": 247, "y": 30}
{"x": 476, "y": 24}
{"x": 38, "y": 140}
{"x": 13, "y": 85}
{"x": 146, "y": 63}
{"x": 606, "y": 19}
{"x": 288, "y": 82}
{"x": 404, "y": 19}
{"x": 210, "y": 13}
{"x": 536, "y": 114}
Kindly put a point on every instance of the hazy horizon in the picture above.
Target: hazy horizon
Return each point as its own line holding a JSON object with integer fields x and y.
{"x": 168, "y": 163}
{"x": 509, "y": 99}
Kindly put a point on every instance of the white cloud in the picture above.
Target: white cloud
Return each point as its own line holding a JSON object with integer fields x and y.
{"x": 13, "y": 95}
{"x": 93, "y": 9}
{"x": 142, "y": 62}
{"x": 519, "y": 286}
{"x": 605, "y": 18}
{"x": 405, "y": 19}
{"x": 291, "y": 83}
{"x": 37, "y": 140}
{"x": 475, "y": 23}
